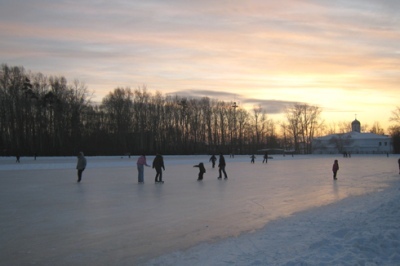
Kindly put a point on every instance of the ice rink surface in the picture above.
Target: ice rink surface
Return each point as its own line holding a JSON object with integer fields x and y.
{"x": 47, "y": 218}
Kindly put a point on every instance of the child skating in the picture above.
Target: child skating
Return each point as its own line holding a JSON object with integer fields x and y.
{"x": 202, "y": 170}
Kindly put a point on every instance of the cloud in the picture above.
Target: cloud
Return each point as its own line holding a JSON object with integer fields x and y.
{"x": 220, "y": 95}
{"x": 273, "y": 52}
{"x": 270, "y": 106}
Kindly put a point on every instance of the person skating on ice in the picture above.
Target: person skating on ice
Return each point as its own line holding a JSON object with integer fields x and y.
{"x": 335, "y": 169}
{"x": 398, "y": 161}
{"x": 221, "y": 166}
{"x": 141, "y": 162}
{"x": 81, "y": 165}
{"x": 265, "y": 157}
{"x": 213, "y": 159}
{"x": 252, "y": 158}
{"x": 158, "y": 164}
{"x": 202, "y": 170}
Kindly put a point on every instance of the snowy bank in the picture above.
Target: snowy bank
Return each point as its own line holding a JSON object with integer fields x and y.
{"x": 360, "y": 230}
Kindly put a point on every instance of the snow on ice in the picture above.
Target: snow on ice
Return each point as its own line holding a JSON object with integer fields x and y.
{"x": 286, "y": 212}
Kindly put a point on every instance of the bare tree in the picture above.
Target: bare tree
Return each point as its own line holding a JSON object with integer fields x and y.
{"x": 395, "y": 118}
{"x": 54, "y": 117}
{"x": 377, "y": 129}
{"x": 303, "y": 121}
{"x": 344, "y": 127}
{"x": 118, "y": 106}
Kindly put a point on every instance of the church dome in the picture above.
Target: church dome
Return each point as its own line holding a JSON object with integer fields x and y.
{"x": 356, "y": 126}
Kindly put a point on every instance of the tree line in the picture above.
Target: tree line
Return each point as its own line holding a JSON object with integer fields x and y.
{"x": 49, "y": 116}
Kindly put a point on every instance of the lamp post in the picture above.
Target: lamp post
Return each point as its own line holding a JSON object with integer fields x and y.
{"x": 234, "y": 106}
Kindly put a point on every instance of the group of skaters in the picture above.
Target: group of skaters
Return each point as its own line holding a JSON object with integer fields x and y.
{"x": 221, "y": 166}
{"x": 158, "y": 165}
{"x": 265, "y": 158}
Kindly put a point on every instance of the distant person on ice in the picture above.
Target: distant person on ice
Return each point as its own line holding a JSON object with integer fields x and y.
{"x": 265, "y": 157}
{"x": 81, "y": 165}
{"x": 252, "y": 158}
{"x": 335, "y": 168}
{"x": 399, "y": 165}
{"x": 141, "y": 162}
{"x": 213, "y": 159}
{"x": 202, "y": 170}
{"x": 158, "y": 163}
{"x": 221, "y": 166}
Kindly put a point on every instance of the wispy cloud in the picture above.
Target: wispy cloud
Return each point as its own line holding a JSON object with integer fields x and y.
{"x": 268, "y": 52}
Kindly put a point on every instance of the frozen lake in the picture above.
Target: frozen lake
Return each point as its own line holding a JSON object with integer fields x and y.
{"x": 47, "y": 218}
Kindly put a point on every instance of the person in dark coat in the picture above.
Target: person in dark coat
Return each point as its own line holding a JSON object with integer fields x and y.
{"x": 252, "y": 158}
{"x": 81, "y": 165}
{"x": 158, "y": 164}
{"x": 265, "y": 157}
{"x": 202, "y": 170}
{"x": 221, "y": 166}
{"x": 399, "y": 165}
{"x": 213, "y": 159}
{"x": 335, "y": 168}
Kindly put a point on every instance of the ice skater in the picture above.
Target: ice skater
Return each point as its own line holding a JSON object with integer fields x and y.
{"x": 265, "y": 157}
{"x": 221, "y": 166}
{"x": 202, "y": 170}
{"x": 80, "y": 166}
{"x": 213, "y": 159}
{"x": 141, "y": 162}
{"x": 398, "y": 161}
{"x": 335, "y": 168}
{"x": 252, "y": 158}
{"x": 158, "y": 164}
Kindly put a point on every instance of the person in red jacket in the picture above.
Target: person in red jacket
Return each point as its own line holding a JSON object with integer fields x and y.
{"x": 335, "y": 168}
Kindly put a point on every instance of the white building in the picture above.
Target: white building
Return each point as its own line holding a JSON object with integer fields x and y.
{"x": 352, "y": 142}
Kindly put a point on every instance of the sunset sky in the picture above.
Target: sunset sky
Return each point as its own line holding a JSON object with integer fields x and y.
{"x": 343, "y": 56}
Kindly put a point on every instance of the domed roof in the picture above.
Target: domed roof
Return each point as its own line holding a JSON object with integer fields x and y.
{"x": 356, "y": 126}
